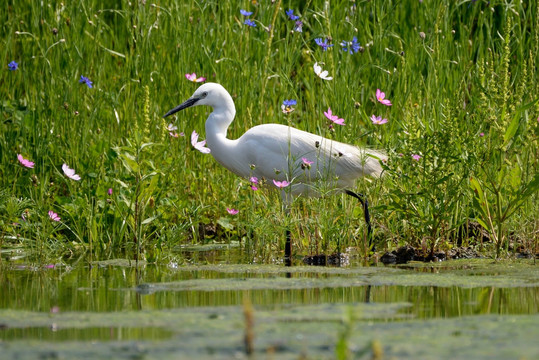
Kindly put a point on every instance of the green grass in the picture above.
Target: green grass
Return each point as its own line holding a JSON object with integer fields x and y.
{"x": 453, "y": 71}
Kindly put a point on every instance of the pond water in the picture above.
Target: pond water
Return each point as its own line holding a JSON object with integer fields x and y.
{"x": 120, "y": 309}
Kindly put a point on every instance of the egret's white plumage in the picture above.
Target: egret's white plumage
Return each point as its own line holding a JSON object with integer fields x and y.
{"x": 275, "y": 152}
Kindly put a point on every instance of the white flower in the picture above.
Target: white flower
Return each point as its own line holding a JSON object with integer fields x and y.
{"x": 322, "y": 74}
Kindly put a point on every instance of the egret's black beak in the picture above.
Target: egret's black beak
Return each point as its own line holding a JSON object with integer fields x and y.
{"x": 189, "y": 102}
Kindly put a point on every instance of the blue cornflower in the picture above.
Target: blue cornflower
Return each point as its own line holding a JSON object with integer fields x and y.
{"x": 351, "y": 46}
{"x": 245, "y": 12}
{"x": 323, "y": 43}
{"x": 85, "y": 80}
{"x": 290, "y": 14}
{"x": 286, "y": 107}
{"x": 289, "y": 102}
{"x": 13, "y": 66}
{"x": 299, "y": 24}
{"x": 250, "y": 23}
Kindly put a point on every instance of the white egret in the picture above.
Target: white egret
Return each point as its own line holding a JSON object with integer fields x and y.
{"x": 282, "y": 153}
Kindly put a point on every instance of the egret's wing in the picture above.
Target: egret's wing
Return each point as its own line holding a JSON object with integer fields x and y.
{"x": 275, "y": 152}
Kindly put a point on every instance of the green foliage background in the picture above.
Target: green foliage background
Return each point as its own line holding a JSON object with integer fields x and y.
{"x": 462, "y": 77}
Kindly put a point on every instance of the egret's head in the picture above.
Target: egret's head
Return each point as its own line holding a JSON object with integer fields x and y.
{"x": 211, "y": 94}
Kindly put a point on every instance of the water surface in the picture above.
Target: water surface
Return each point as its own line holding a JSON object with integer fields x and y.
{"x": 169, "y": 311}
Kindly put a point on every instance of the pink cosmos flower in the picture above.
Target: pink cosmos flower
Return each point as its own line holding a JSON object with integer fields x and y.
{"x": 70, "y": 173}
{"x": 481, "y": 134}
{"x": 199, "y": 145}
{"x": 232, "y": 211}
{"x": 306, "y": 164}
{"x": 334, "y": 118}
{"x": 381, "y": 97}
{"x": 54, "y": 216}
{"x": 416, "y": 157}
{"x": 378, "y": 120}
{"x": 193, "y": 77}
{"x": 254, "y": 182}
{"x": 25, "y": 162}
{"x": 281, "y": 184}
{"x": 172, "y": 131}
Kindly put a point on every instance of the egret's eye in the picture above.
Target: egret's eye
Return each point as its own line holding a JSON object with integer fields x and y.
{"x": 204, "y": 94}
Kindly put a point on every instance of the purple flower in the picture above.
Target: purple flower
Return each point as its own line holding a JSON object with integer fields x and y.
{"x": 85, "y": 80}
{"x": 232, "y": 211}
{"x": 334, "y": 118}
{"x": 351, "y": 46}
{"x": 482, "y": 134}
{"x": 323, "y": 43}
{"x": 70, "y": 173}
{"x": 245, "y": 12}
{"x": 249, "y": 22}
{"x": 54, "y": 216}
{"x": 378, "y": 120}
{"x": 290, "y": 14}
{"x": 416, "y": 157}
{"x": 25, "y": 162}
{"x": 109, "y": 191}
{"x": 12, "y": 66}
{"x": 281, "y": 184}
{"x": 299, "y": 26}
{"x": 381, "y": 97}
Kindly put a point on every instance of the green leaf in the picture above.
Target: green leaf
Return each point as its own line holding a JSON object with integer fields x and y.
{"x": 147, "y": 176}
{"x": 122, "y": 184}
{"x": 146, "y": 145}
{"x": 511, "y": 131}
{"x": 149, "y": 220}
{"x": 515, "y": 179}
{"x": 513, "y": 126}
{"x": 480, "y": 201}
{"x": 482, "y": 223}
{"x": 444, "y": 179}
{"x": 477, "y": 188}
{"x": 529, "y": 189}
{"x": 225, "y": 223}
{"x": 129, "y": 163}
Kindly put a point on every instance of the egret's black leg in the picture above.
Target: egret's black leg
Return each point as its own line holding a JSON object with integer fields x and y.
{"x": 363, "y": 200}
{"x": 288, "y": 250}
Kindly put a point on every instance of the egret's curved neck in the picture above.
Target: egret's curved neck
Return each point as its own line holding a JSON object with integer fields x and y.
{"x": 218, "y": 122}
